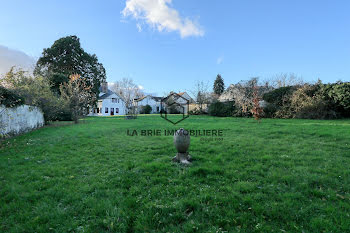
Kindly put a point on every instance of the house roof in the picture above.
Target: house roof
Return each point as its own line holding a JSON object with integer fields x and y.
{"x": 108, "y": 94}
{"x": 153, "y": 97}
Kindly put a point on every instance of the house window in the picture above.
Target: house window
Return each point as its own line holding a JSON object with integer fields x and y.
{"x": 116, "y": 110}
{"x": 114, "y": 100}
{"x": 97, "y": 110}
{"x": 106, "y": 110}
{"x": 157, "y": 109}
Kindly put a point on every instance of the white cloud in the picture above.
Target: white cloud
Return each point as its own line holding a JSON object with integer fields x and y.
{"x": 219, "y": 60}
{"x": 160, "y": 15}
{"x": 140, "y": 87}
{"x": 10, "y": 57}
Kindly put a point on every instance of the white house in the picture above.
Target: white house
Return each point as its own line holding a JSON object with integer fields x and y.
{"x": 152, "y": 101}
{"x": 109, "y": 103}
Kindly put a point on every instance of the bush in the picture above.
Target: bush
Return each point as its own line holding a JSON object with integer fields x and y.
{"x": 270, "y": 110}
{"x": 10, "y": 98}
{"x": 221, "y": 109}
{"x": 278, "y": 102}
{"x": 173, "y": 109}
{"x": 147, "y": 109}
{"x": 338, "y": 96}
{"x": 279, "y": 95}
{"x": 196, "y": 111}
{"x": 36, "y": 91}
{"x": 308, "y": 102}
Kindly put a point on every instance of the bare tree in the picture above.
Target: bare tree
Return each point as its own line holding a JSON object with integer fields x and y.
{"x": 201, "y": 94}
{"x": 129, "y": 92}
{"x": 78, "y": 96}
{"x": 286, "y": 79}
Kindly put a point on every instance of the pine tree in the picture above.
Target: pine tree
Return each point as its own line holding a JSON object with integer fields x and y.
{"x": 219, "y": 85}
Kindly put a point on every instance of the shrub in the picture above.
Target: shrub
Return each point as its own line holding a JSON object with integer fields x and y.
{"x": 221, "y": 109}
{"x": 270, "y": 110}
{"x": 173, "y": 109}
{"x": 308, "y": 102}
{"x": 278, "y": 102}
{"x": 338, "y": 95}
{"x": 9, "y": 98}
{"x": 147, "y": 109}
{"x": 196, "y": 111}
{"x": 279, "y": 95}
{"x": 36, "y": 91}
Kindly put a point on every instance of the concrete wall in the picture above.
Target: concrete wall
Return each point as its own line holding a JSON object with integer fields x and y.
{"x": 19, "y": 119}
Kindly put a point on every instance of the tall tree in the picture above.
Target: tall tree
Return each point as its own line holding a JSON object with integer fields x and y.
{"x": 219, "y": 85}
{"x": 66, "y": 57}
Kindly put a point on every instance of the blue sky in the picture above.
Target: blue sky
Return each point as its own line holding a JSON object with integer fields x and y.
{"x": 167, "y": 45}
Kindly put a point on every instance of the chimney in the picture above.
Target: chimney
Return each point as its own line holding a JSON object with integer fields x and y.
{"x": 104, "y": 87}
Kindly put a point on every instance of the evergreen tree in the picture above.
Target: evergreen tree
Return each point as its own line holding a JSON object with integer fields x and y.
{"x": 219, "y": 85}
{"x": 66, "y": 57}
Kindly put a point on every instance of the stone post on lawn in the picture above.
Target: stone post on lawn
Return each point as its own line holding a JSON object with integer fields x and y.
{"x": 182, "y": 143}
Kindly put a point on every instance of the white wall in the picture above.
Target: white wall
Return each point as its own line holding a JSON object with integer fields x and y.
{"x": 108, "y": 103}
{"x": 19, "y": 119}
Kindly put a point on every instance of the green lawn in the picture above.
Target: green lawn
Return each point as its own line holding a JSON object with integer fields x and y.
{"x": 276, "y": 176}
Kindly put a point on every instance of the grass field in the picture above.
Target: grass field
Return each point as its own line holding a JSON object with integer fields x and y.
{"x": 276, "y": 176}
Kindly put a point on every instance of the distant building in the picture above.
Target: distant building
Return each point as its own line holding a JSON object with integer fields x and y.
{"x": 109, "y": 103}
{"x": 152, "y": 101}
{"x": 181, "y": 99}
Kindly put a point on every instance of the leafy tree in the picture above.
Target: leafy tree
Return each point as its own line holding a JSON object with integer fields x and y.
{"x": 66, "y": 57}
{"x": 9, "y": 98}
{"x": 36, "y": 91}
{"x": 56, "y": 80}
{"x": 219, "y": 85}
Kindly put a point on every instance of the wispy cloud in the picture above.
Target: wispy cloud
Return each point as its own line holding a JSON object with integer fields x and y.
{"x": 139, "y": 27}
{"x": 219, "y": 60}
{"x": 10, "y": 57}
{"x": 160, "y": 15}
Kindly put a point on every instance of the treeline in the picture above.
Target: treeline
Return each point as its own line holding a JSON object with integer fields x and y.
{"x": 311, "y": 101}
{"x": 284, "y": 97}
{"x": 65, "y": 82}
